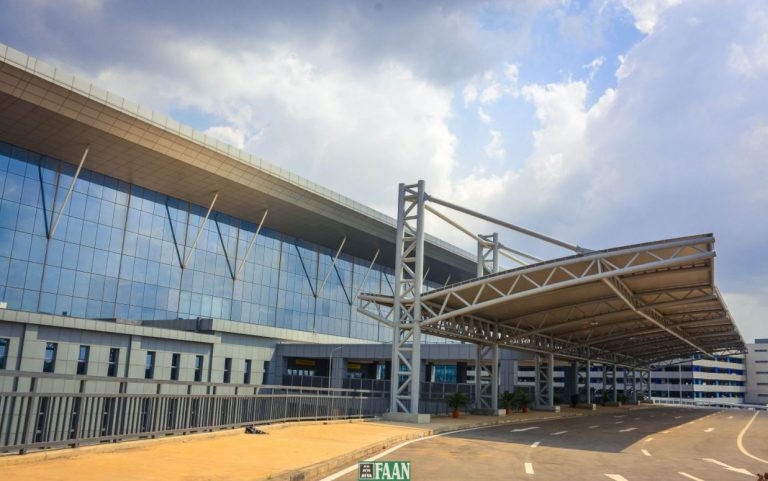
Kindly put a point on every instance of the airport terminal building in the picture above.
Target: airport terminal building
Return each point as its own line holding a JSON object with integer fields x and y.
{"x": 145, "y": 266}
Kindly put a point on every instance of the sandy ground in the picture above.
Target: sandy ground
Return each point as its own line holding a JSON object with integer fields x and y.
{"x": 233, "y": 457}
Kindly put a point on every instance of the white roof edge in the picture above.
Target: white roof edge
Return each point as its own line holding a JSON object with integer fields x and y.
{"x": 87, "y": 89}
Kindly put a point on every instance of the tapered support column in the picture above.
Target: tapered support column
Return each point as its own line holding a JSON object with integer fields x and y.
{"x": 587, "y": 381}
{"x": 544, "y": 386}
{"x": 551, "y": 376}
{"x": 634, "y": 386}
{"x": 604, "y": 388}
{"x": 478, "y": 376}
{"x": 613, "y": 385}
{"x": 495, "y": 379}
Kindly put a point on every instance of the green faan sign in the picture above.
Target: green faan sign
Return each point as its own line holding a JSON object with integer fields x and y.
{"x": 384, "y": 470}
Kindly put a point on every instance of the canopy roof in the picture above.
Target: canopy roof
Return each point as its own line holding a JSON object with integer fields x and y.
{"x": 632, "y": 305}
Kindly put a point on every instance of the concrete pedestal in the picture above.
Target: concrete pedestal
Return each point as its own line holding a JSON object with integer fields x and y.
{"x": 407, "y": 418}
{"x": 554, "y": 409}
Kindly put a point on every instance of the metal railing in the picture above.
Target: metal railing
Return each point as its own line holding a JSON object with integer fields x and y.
{"x": 432, "y": 395}
{"x": 39, "y": 420}
{"x": 707, "y": 404}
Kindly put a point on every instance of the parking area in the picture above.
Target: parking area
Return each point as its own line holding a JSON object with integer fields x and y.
{"x": 649, "y": 444}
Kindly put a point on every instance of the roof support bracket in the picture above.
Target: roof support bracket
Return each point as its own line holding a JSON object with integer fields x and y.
{"x": 200, "y": 230}
{"x": 69, "y": 191}
{"x": 330, "y": 269}
{"x": 625, "y": 294}
{"x": 253, "y": 241}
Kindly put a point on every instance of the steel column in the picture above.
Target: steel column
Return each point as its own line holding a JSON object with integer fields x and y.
{"x": 604, "y": 389}
{"x": 613, "y": 383}
{"x": 409, "y": 274}
{"x": 588, "y": 387}
{"x": 487, "y": 254}
{"x": 544, "y": 388}
{"x": 495, "y": 378}
{"x": 634, "y": 386}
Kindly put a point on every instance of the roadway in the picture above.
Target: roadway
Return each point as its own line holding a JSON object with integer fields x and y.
{"x": 653, "y": 444}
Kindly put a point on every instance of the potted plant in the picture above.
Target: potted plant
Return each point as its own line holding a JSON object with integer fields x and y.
{"x": 457, "y": 401}
{"x": 507, "y": 400}
{"x": 522, "y": 400}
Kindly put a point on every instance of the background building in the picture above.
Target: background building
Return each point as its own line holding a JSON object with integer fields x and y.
{"x": 757, "y": 372}
{"x": 721, "y": 380}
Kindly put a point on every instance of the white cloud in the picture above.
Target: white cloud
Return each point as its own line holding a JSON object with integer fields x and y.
{"x": 495, "y": 148}
{"x": 227, "y": 134}
{"x": 470, "y": 93}
{"x": 593, "y": 66}
{"x": 677, "y": 148}
{"x": 370, "y": 128}
{"x": 647, "y": 12}
{"x": 751, "y": 312}
{"x": 483, "y": 116}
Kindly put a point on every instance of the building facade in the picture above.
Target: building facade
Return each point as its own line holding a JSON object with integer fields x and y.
{"x": 721, "y": 380}
{"x": 757, "y": 372}
{"x": 111, "y": 268}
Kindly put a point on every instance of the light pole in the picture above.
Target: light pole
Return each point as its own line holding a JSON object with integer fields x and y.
{"x": 330, "y": 364}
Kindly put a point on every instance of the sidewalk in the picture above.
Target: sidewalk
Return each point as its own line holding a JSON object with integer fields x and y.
{"x": 297, "y": 451}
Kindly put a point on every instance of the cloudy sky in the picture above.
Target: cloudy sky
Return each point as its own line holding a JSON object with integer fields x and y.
{"x": 602, "y": 123}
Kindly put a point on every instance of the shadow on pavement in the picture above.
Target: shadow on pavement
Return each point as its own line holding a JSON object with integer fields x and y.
{"x": 613, "y": 433}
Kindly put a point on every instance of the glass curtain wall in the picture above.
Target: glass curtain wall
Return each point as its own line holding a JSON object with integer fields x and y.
{"x": 118, "y": 251}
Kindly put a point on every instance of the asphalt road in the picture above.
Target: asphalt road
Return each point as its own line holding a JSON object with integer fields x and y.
{"x": 653, "y": 444}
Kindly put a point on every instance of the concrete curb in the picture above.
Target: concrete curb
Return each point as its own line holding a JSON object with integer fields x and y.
{"x": 13, "y": 459}
{"x": 324, "y": 468}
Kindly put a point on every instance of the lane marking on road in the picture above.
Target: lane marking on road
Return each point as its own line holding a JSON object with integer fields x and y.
{"x": 520, "y": 430}
{"x": 728, "y": 467}
{"x": 535, "y": 444}
{"x": 619, "y": 422}
{"x": 694, "y": 478}
{"x": 559, "y": 433}
{"x": 620, "y": 416}
{"x": 709, "y": 430}
{"x": 617, "y": 477}
{"x": 645, "y": 451}
{"x": 626, "y": 430}
{"x": 740, "y": 440}
{"x": 352, "y": 468}
{"x": 593, "y": 427}
{"x": 678, "y": 417}
{"x": 648, "y": 440}
{"x": 528, "y": 468}
{"x": 637, "y": 419}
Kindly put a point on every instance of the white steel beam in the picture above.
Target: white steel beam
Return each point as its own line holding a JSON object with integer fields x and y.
{"x": 200, "y": 230}
{"x": 69, "y": 191}
{"x": 330, "y": 269}
{"x": 250, "y": 244}
{"x": 522, "y": 230}
{"x": 626, "y": 294}
{"x": 365, "y": 277}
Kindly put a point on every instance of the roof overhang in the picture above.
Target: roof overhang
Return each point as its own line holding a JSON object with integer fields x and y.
{"x": 56, "y": 114}
{"x": 631, "y": 305}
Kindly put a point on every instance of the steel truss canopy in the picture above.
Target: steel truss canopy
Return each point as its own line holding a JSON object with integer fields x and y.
{"x": 627, "y": 306}
{"x": 631, "y": 305}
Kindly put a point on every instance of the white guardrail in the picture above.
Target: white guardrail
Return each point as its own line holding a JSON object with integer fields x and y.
{"x": 707, "y": 404}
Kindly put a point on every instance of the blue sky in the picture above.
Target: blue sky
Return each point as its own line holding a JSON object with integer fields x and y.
{"x": 602, "y": 123}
